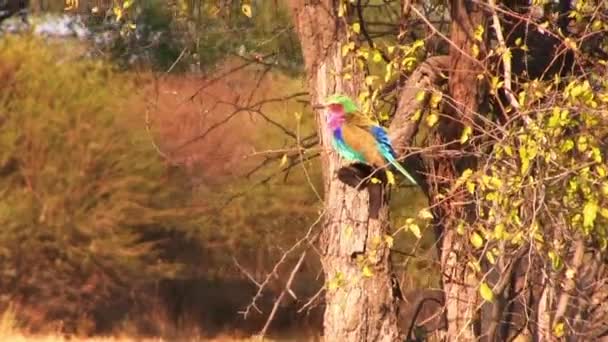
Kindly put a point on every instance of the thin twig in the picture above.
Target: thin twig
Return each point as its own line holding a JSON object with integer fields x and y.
{"x": 292, "y": 276}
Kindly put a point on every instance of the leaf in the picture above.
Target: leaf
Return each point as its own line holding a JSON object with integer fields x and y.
{"x": 478, "y": 35}
{"x": 375, "y": 180}
{"x": 570, "y": 273}
{"x": 466, "y": 132}
{"x": 476, "y": 240}
{"x": 486, "y": 292}
{"x": 415, "y": 230}
{"x": 389, "y": 240}
{"x": 390, "y": 177}
{"x": 558, "y": 329}
{"x": 117, "y": 12}
{"x": 369, "y": 80}
{"x": 420, "y": 96}
{"x": 127, "y": 4}
{"x": 475, "y": 50}
{"x": 246, "y": 8}
{"x": 432, "y": 119}
{"x": 490, "y": 257}
{"x": 357, "y": 28}
{"x": 425, "y": 214}
{"x": 377, "y": 57}
{"x": 589, "y": 213}
{"x": 283, "y": 160}
{"x": 367, "y": 272}
{"x": 556, "y": 261}
{"x": 348, "y": 231}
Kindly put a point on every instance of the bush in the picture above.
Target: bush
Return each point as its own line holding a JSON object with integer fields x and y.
{"x": 79, "y": 190}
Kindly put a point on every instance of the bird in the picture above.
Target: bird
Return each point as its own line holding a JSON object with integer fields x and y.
{"x": 357, "y": 138}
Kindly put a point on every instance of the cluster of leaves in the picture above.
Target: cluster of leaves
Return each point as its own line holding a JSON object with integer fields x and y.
{"x": 81, "y": 192}
{"x": 204, "y": 33}
{"x": 547, "y": 181}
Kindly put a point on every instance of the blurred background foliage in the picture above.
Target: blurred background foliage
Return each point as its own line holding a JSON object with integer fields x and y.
{"x": 133, "y": 199}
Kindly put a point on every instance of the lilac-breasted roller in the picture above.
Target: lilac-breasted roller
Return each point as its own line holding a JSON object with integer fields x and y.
{"x": 357, "y": 138}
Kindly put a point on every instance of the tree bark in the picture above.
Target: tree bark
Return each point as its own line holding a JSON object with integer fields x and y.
{"x": 360, "y": 306}
{"x": 466, "y": 94}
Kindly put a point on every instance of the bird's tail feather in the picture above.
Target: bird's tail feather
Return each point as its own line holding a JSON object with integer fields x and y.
{"x": 400, "y": 168}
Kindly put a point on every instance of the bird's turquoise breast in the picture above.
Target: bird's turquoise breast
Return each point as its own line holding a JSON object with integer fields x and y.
{"x": 343, "y": 149}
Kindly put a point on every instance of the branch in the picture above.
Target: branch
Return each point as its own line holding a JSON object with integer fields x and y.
{"x": 295, "y": 270}
{"x": 402, "y": 128}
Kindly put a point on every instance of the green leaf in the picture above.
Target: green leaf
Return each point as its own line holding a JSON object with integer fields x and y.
{"x": 486, "y": 292}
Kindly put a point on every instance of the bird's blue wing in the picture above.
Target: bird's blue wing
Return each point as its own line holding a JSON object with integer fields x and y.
{"x": 384, "y": 142}
{"x": 386, "y": 148}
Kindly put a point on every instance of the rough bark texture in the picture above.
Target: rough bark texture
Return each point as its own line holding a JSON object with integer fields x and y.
{"x": 361, "y": 308}
{"x": 459, "y": 282}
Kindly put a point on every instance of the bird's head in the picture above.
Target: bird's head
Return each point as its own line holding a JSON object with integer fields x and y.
{"x": 341, "y": 104}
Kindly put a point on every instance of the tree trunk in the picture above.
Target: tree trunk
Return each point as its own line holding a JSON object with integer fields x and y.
{"x": 360, "y": 304}
{"x": 466, "y": 93}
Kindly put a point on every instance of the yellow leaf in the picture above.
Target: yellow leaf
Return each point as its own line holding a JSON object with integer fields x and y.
{"x": 389, "y": 240}
{"x": 348, "y": 231}
{"x": 127, "y": 4}
{"x": 570, "y": 273}
{"x": 486, "y": 292}
{"x": 589, "y": 213}
{"x": 246, "y": 8}
{"x": 357, "y": 28}
{"x": 117, "y": 12}
{"x": 471, "y": 187}
{"x": 478, "y": 35}
{"x": 558, "y": 329}
{"x": 298, "y": 116}
{"x": 367, "y": 272}
{"x": 377, "y": 57}
{"x": 420, "y": 96}
{"x": 390, "y": 177}
{"x": 425, "y": 214}
{"x": 375, "y": 180}
{"x": 283, "y": 160}
{"x": 341, "y": 10}
{"x": 432, "y": 119}
{"x": 490, "y": 257}
{"x": 475, "y": 50}
{"x": 415, "y": 230}
{"x": 369, "y": 80}
{"x": 476, "y": 240}
{"x": 465, "y": 134}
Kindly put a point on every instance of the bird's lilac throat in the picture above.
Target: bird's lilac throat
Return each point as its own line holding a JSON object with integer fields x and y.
{"x": 336, "y": 120}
